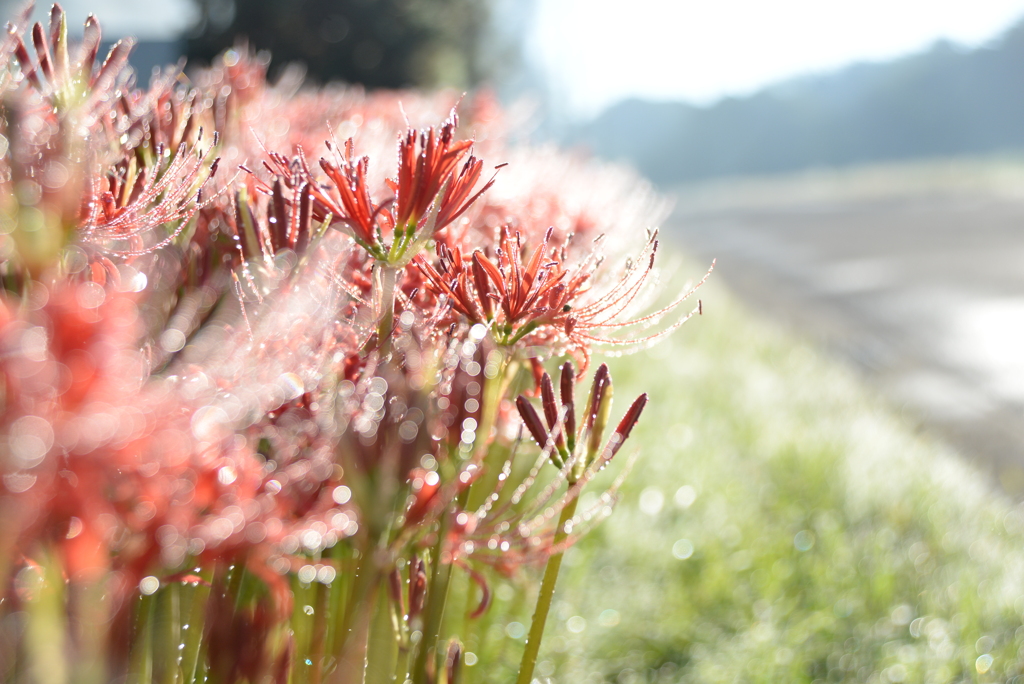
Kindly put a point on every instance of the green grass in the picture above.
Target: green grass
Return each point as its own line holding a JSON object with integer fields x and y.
{"x": 830, "y": 542}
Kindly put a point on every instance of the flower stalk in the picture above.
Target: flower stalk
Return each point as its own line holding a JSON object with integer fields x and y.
{"x": 545, "y": 595}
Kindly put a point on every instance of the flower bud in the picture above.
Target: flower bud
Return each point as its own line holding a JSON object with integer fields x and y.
{"x": 550, "y": 404}
{"x": 453, "y": 661}
{"x": 600, "y": 406}
{"x": 568, "y": 397}
{"x": 417, "y": 586}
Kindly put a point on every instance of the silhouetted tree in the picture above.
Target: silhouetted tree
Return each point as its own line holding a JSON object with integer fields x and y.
{"x": 379, "y": 43}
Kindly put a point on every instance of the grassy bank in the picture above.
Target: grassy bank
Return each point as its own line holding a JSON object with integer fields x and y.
{"x": 782, "y": 525}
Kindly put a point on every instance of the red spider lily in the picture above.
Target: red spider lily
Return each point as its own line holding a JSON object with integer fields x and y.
{"x": 122, "y": 217}
{"x": 560, "y": 436}
{"x": 263, "y": 229}
{"x": 426, "y": 160}
{"x": 353, "y": 206}
{"x": 426, "y": 178}
{"x": 541, "y": 299}
{"x": 272, "y": 405}
{"x": 68, "y": 84}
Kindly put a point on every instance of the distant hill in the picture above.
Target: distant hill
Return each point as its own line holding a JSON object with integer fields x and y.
{"x": 942, "y": 102}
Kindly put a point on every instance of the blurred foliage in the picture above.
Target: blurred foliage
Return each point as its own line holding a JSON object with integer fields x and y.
{"x": 378, "y": 43}
{"x": 782, "y": 525}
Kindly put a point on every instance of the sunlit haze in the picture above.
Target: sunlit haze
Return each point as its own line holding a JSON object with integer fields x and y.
{"x": 596, "y": 52}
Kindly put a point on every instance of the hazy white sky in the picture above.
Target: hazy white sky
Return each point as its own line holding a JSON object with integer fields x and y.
{"x": 600, "y": 51}
{"x": 145, "y": 19}
{"x": 596, "y": 52}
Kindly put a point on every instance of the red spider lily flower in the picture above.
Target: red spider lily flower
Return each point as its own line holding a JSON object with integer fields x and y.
{"x": 458, "y": 193}
{"x": 72, "y": 85}
{"x": 542, "y": 300}
{"x": 122, "y": 217}
{"x": 158, "y": 431}
{"x": 426, "y": 178}
{"x": 353, "y": 206}
{"x": 262, "y": 229}
{"x": 426, "y": 160}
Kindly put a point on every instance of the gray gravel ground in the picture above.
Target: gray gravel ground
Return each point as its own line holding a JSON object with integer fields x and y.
{"x": 919, "y": 283}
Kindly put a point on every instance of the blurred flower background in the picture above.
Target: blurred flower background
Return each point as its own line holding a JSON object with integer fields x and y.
{"x": 834, "y": 454}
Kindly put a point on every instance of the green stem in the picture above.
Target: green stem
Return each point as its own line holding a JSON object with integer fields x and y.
{"x": 437, "y": 597}
{"x": 384, "y": 284}
{"x": 547, "y": 592}
{"x": 383, "y": 643}
{"x": 141, "y": 666}
{"x": 194, "y": 634}
{"x": 351, "y": 656}
{"x": 319, "y": 636}
{"x": 166, "y": 634}
{"x": 248, "y": 226}
{"x": 46, "y": 633}
{"x": 341, "y": 592}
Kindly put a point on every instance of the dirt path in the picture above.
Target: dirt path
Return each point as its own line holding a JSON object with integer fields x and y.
{"x": 923, "y": 290}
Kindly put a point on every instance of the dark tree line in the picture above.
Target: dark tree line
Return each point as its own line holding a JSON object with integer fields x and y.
{"x": 379, "y": 43}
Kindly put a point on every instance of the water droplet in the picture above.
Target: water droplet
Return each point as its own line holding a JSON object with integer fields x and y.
{"x": 149, "y": 585}
{"x": 804, "y": 540}
{"x": 685, "y": 496}
{"x": 682, "y": 549}
{"x": 308, "y": 610}
{"x": 651, "y": 501}
{"x": 516, "y": 630}
{"x": 326, "y": 574}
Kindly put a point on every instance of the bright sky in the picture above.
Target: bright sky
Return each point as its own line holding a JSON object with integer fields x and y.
{"x": 144, "y": 19}
{"x": 599, "y": 51}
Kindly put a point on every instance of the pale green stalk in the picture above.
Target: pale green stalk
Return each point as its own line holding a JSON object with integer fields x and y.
{"x": 547, "y": 592}
{"x": 194, "y": 634}
{"x": 46, "y": 631}
{"x": 166, "y": 634}
{"x": 351, "y": 653}
{"x": 382, "y": 644}
{"x": 141, "y": 667}
{"x": 437, "y": 597}
{"x": 318, "y": 643}
{"x": 385, "y": 280}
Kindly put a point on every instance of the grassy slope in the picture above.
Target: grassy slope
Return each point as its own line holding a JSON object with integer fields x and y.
{"x": 830, "y": 543}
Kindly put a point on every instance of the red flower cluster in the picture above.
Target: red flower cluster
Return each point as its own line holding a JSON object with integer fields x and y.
{"x": 212, "y": 400}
